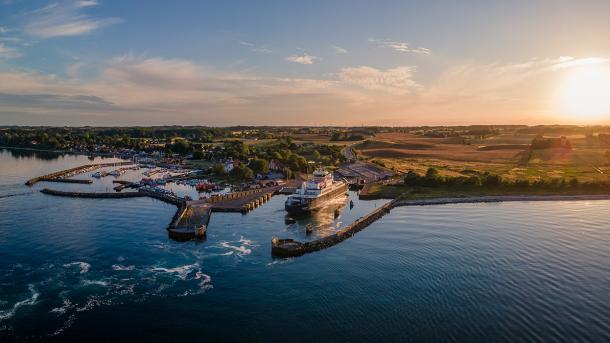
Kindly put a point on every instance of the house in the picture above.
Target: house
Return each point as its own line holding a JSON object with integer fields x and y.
{"x": 229, "y": 164}
{"x": 276, "y": 165}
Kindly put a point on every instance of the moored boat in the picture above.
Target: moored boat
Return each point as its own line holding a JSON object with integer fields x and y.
{"x": 314, "y": 193}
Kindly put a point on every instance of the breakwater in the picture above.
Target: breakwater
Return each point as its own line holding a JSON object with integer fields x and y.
{"x": 291, "y": 248}
{"x": 93, "y": 194}
{"x": 499, "y": 198}
{"x": 61, "y": 176}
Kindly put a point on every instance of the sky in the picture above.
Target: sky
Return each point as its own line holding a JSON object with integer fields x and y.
{"x": 347, "y": 63}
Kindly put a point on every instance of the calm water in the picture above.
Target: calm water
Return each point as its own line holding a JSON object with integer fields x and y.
{"x": 104, "y": 269}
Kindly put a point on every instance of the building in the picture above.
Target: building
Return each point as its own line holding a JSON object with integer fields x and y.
{"x": 276, "y": 165}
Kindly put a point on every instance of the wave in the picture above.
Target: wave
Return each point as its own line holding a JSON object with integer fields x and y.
{"x": 27, "y": 302}
{"x": 93, "y": 301}
{"x": 242, "y": 249}
{"x": 205, "y": 280}
{"x": 121, "y": 267}
{"x": 65, "y": 325}
{"x": 67, "y": 304}
{"x": 84, "y": 266}
{"x": 181, "y": 271}
{"x": 95, "y": 283}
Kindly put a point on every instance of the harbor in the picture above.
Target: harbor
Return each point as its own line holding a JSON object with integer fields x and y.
{"x": 192, "y": 216}
{"x": 62, "y": 176}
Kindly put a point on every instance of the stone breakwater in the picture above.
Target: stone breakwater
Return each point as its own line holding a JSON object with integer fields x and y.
{"x": 61, "y": 176}
{"x": 92, "y": 194}
{"x": 292, "y": 248}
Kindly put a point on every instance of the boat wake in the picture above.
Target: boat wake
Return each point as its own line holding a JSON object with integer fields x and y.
{"x": 27, "y": 302}
{"x": 84, "y": 266}
{"x": 242, "y": 248}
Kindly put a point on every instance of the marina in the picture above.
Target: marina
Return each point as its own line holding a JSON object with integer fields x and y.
{"x": 192, "y": 216}
{"x": 112, "y": 262}
{"x": 61, "y": 176}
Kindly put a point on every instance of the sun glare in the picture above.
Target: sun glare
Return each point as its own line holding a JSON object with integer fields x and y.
{"x": 585, "y": 94}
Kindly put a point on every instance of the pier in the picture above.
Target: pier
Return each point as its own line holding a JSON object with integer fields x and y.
{"x": 241, "y": 201}
{"x": 192, "y": 217}
{"x": 291, "y": 248}
{"x": 191, "y": 220}
{"x": 61, "y": 176}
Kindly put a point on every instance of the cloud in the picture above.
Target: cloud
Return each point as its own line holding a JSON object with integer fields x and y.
{"x": 4, "y": 29}
{"x": 8, "y": 52}
{"x": 569, "y": 62}
{"x": 86, "y": 3}
{"x": 394, "y": 81}
{"x": 339, "y": 50}
{"x": 65, "y": 19}
{"x": 398, "y": 46}
{"x": 132, "y": 90}
{"x": 255, "y": 48}
{"x": 302, "y": 59}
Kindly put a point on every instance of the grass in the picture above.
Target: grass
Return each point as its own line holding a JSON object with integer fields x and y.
{"x": 412, "y": 193}
{"x": 506, "y": 154}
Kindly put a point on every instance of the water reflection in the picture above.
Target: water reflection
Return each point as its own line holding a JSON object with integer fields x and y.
{"x": 33, "y": 154}
{"x": 325, "y": 221}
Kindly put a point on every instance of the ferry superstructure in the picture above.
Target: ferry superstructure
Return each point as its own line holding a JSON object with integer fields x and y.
{"x": 315, "y": 192}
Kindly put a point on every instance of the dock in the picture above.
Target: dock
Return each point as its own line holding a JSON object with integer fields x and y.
{"x": 291, "y": 248}
{"x": 192, "y": 217}
{"x": 63, "y": 175}
{"x": 191, "y": 220}
{"x": 241, "y": 201}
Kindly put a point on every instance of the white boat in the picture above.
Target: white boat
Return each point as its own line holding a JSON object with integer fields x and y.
{"x": 314, "y": 193}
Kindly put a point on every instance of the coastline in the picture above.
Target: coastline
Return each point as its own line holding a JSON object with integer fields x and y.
{"x": 498, "y": 198}
{"x": 67, "y": 152}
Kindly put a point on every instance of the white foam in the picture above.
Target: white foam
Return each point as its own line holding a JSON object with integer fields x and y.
{"x": 181, "y": 271}
{"x": 242, "y": 249}
{"x": 27, "y": 302}
{"x": 64, "y": 308}
{"x": 93, "y": 301}
{"x": 95, "y": 283}
{"x": 279, "y": 261}
{"x": 65, "y": 325}
{"x": 84, "y": 266}
{"x": 121, "y": 267}
{"x": 205, "y": 280}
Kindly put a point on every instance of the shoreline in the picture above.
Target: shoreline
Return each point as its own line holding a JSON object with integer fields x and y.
{"x": 499, "y": 198}
{"x": 67, "y": 152}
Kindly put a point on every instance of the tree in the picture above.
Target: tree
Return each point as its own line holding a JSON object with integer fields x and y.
{"x": 219, "y": 169}
{"x": 181, "y": 146}
{"x": 241, "y": 172}
{"x": 288, "y": 173}
{"x": 412, "y": 178}
{"x": 259, "y": 166}
{"x": 198, "y": 155}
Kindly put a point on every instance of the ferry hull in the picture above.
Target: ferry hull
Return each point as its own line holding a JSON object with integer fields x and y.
{"x": 316, "y": 203}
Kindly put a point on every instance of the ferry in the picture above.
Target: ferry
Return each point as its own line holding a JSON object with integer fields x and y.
{"x": 314, "y": 193}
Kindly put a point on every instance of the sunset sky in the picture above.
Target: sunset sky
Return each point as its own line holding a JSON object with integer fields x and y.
{"x": 304, "y": 63}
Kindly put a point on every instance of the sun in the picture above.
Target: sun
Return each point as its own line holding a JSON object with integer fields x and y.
{"x": 585, "y": 93}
